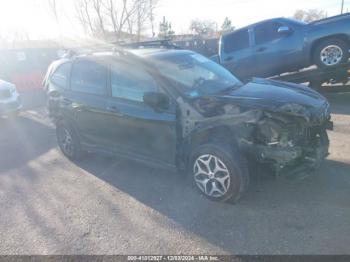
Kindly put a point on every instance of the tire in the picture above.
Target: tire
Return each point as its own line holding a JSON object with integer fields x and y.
{"x": 338, "y": 46}
{"x": 233, "y": 172}
{"x": 65, "y": 132}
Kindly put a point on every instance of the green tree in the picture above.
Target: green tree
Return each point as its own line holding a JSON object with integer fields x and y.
{"x": 165, "y": 31}
{"x": 227, "y": 26}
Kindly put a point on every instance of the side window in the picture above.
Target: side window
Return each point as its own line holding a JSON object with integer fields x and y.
{"x": 89, "y": 77}
{"x": 131, "y": 82}
{"x": 236, "y": 41}
{"x": 267, "y": 32}
{"x": 61, "y": 75}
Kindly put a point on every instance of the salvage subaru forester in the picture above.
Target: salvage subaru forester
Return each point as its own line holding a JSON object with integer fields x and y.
{"x": 178, "y": 109}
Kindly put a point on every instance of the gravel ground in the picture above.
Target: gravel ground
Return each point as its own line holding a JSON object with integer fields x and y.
{"x": 101, "y": 205}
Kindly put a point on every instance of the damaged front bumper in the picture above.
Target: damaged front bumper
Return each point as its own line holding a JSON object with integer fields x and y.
{"x": 292, "y": 160}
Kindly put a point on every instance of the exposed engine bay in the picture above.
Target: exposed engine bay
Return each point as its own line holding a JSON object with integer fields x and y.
{"x": 290, "y": 137}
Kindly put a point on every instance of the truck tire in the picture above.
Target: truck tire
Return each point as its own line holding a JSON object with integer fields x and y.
{"x": 330, "y": 53}
{"x": 219, "y": 172}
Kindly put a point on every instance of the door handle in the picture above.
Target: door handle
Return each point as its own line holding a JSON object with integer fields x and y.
{"x": 114, "y": 110}
{"x": 261, "y": 49}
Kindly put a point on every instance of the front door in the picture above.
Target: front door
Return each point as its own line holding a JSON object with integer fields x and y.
{"x": 276, "y": 52}
{"x": 136, "y": 128}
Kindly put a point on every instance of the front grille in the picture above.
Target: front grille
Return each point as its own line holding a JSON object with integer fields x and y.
{"x": 5, "y": 94}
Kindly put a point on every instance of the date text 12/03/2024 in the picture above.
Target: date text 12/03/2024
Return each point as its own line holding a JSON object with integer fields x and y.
{"x": 173, "y": 258}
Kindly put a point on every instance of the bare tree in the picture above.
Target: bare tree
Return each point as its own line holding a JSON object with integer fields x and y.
{"x": 82, "y": 8}
{"x": 54, "y": 9}
{"x": 202, "y": 27}
{"x": 98, "y": 17}
{"x": 98, "y": 5}
{"x": 152, "y": 6}
{"x": 309, "y": 15}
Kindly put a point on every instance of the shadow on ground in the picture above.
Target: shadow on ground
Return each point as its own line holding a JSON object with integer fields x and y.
{"x": 19, "y": 137}
{"x": 270, "y": 209}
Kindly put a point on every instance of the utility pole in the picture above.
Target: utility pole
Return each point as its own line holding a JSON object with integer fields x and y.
{"x": 342, "y": 6}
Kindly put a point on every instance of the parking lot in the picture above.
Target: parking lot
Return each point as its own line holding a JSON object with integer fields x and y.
{"x": 103, "y": 205}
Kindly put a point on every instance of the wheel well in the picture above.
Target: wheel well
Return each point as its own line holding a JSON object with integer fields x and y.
{"x": 219, "y": 134}
{"x": 64, "y": 121}
{"x": 343, "y": 37}
{"x": 215, "y": 134}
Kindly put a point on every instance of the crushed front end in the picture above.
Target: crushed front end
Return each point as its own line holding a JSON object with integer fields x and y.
{"x": 292, "y": 142}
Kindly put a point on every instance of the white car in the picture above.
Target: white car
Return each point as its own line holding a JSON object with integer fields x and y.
{"x": 10, "y": 102}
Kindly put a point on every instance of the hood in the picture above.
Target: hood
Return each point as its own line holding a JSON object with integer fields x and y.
{"x": 278, "y": 96}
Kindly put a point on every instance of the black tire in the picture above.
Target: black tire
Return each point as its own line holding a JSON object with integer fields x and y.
{"x": 330, "y": 42}
{"x": 234, "y": 162}
{"x": 72, "y": 151}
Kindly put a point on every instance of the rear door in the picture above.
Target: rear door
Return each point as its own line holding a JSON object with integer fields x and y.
{"x": 276, "y": 52}
{"x": 236, "y": 53}
{"x": 136, "y": 128}
{"x": 87, "y": 101}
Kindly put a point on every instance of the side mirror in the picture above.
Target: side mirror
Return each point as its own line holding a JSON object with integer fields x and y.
{"x": 156, "y": 100}
{"x": 284, "y": 30}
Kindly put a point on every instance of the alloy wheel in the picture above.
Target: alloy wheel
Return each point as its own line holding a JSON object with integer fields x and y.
{"x": 331, "y": 55}
{"x": 211, "y": 175}
{"x": 66, "y": 141}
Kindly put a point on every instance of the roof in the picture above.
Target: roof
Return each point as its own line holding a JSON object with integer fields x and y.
{"x": 136, "y": 54}
{"x": 159, "y": 53}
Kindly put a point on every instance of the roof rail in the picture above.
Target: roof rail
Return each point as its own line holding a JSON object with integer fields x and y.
{"x": 166, "y": 44}
{"x": 71, "y": 53}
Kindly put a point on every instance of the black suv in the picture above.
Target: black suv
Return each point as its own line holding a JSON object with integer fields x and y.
{"x": 178, "y": 109}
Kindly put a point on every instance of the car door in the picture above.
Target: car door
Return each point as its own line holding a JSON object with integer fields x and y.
{"x": 236, "y": 53}
{"x": 87, "y": 99}
{"x": 277, "y": 48}
{"x": 137, "y": 129}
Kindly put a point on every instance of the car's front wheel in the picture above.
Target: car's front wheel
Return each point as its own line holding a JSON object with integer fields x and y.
{"x": 330, "y": 53}
{"x": 68, "y": 141}
{"x": 219, "y": 172}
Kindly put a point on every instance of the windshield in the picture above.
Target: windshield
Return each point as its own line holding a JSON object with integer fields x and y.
{"x": 196, "y": 75}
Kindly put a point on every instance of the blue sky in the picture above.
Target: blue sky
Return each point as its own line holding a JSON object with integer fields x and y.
{"x": 32, "y": 17}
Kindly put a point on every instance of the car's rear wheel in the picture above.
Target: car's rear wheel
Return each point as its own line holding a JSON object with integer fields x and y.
{"x": 330, "y": 53}
{"x": 219, "y": 172}
{"x": 68, "y": 141}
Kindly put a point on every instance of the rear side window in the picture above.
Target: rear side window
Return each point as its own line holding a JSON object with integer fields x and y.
{"x": 61, "y": 75}
{"x": 236, "y": 41}
{"x": 131, "y": 81}
{"x": 267, "y": 32}
{"x": 89, "y": 77}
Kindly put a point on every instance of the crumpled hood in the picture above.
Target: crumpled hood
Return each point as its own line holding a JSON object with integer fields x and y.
{"x": 281, "y": 97}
